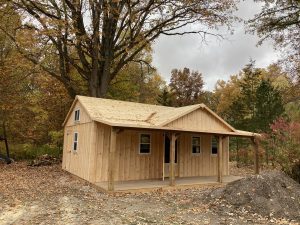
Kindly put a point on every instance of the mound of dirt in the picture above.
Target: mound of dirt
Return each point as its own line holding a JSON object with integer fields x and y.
{"x": 271, "y": 194}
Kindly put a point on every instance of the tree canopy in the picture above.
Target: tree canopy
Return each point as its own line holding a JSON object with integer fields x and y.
{"x": 279, "y": 20}
{"x": 186, "y": 86}
{"x": 98, "y": 38}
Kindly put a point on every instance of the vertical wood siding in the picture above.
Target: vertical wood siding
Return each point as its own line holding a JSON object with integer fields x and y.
{"x": 203, "y": 164}
{"x": 79, "y": 162}
{"x": 84, "y": 117}
{"x": 130, "y": 165}
{"x": 199, "y": 120}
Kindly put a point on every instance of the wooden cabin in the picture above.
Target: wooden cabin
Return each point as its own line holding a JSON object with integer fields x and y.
{"x": 107, "y": 142}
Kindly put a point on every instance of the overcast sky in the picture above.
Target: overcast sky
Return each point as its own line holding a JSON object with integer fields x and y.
{"x": 217, "y": 59}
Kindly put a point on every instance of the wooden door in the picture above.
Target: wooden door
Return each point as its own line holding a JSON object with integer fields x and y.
{"x": 68, "y": 149}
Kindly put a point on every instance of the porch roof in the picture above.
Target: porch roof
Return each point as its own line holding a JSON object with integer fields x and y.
{"x": 145, "y": 116}
{"x": 236, "y": 133}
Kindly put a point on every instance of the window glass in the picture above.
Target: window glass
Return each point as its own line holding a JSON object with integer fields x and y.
{"x": 75, "y": 144}
{"x": 145, "y": 143}
{"x": 77, "y": 115}
{"x": 214, "y": 146}
{"x": 196, "y": 145}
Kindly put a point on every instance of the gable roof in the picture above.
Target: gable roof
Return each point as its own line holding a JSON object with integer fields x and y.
{"x": 139, "y": 115}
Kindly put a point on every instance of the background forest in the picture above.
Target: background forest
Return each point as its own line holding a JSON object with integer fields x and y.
{"x": 39, "y": 78}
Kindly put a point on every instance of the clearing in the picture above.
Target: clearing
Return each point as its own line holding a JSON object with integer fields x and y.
{"x": 48, "y": 195}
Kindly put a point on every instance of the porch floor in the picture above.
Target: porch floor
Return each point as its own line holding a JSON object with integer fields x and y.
{"x": 141, "y": 185}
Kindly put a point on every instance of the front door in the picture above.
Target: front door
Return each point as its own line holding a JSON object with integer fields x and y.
{"x": 167, "y": 157}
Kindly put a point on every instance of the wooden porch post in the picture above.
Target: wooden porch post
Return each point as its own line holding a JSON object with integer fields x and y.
{"x": 172, "y": 160}
{"x": 255, "y": 144}
{"x": 111, "y": 159}
{"x": 220, "y": 157}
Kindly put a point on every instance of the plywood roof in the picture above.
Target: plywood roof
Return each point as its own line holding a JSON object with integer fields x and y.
{"x": 139, "y": 115}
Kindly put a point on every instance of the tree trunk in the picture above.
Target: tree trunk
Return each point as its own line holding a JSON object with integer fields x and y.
{"x": 267, "y": 156}
{"x": 103, "y": 88}
{"x": 237, "y": 152}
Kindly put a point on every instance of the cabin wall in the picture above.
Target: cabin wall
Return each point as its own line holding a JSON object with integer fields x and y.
{"x": 200, "y": 119}
{"x": 84, "y": 117}
{"x": 129, "y": 164}
{"x": 203, "y": 164}
{"x": 81, "y": 162}
{"x": 102, "y": 151}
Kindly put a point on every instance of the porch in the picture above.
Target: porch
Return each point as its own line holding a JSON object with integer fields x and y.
{"x": 154, "y": 184}
{"x": 171, "y": 164}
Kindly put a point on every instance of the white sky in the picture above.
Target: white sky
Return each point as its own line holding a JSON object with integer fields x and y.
{"x": 216, "y": 59}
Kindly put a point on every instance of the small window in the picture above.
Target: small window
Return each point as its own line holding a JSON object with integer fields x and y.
{"x": 196, "y": 145}
{"x": 77, "y": 115}
{"x": 145, "y": 143}
{"x": 75, "y": 143}
{"x": 214, "y": 146}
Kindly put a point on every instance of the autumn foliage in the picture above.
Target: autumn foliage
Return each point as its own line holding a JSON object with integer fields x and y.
{"x": 283, "y": 141}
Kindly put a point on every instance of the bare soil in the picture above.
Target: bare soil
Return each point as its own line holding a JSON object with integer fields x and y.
{"x": 48, "y": 195}
{"x": 271, "y": 193}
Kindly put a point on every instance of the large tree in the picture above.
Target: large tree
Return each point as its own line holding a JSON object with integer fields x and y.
{"x": 279, "y": 20}
{"x": 186, "y": 86}
{"x": 249, "y": 84}
{"x": 136, "y": 83}
{"x": 32, "y": 104}
{"x": 269, "y": 105}
{"x": 99, "y": 37}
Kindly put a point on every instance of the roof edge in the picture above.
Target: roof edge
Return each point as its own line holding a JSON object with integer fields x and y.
{"x": 76, "y": 99}
{"x": 198, "y": 106}
{"x": 235, "y": 133}
{"x": 218, "y": 117}
{"x": 70, "y": 111}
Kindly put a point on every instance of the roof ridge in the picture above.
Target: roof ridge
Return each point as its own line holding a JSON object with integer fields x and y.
{"x": 137, "y": 103}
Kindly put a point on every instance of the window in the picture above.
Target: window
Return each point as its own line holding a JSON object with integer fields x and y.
{"x": 75, "y": 143}
{"x": 196, "y": 145}
{"x": 214, "y": 146}
{"x": 145, "y": 143}
{"x": 77, "y": 115}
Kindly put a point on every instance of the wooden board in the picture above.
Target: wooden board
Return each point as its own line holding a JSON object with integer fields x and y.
{"x": 84, "y": 117}
{"x": 130, "y": 165}
{"x": 203, "y": 164}
{"x": 78, "y": 162}
{"x": 199, "y": 120}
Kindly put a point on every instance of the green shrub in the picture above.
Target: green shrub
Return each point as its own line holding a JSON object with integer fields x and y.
{"x": 29, "y": 151}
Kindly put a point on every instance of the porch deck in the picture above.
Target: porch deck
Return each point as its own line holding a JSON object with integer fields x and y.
{"x": 181, "y": 182}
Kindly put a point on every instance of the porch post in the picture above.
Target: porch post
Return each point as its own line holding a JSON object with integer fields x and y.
{"x": 220, "y": 161}
{"x": 111, "y": 159}
{"x": 172, "y": 160}
{"x": 255, "y": 144}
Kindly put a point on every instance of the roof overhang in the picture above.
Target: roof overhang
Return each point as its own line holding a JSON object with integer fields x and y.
{"x": 236, "y": 133}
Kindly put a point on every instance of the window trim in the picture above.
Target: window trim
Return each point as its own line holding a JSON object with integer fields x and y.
{"x": 211, "y": 145}
{"x": 150, "y": 145}
{"x": 200, "y": 140}
{"x": 77, "y": 110}
{"x": 75, "y": 150}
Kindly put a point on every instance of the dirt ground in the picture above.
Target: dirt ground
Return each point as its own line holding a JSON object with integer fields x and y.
{"x": 48, "y": 195}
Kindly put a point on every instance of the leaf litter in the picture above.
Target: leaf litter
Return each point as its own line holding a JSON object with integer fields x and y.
{"x": 49, "y": 195}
